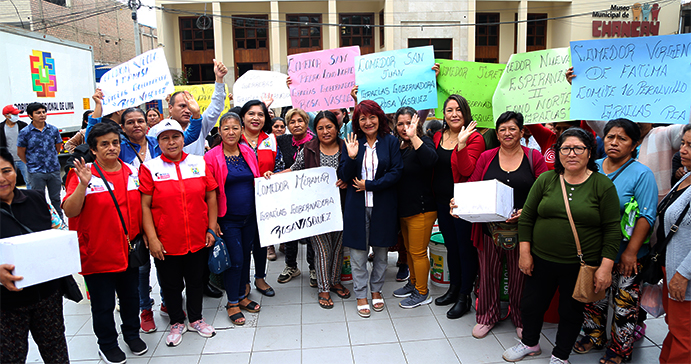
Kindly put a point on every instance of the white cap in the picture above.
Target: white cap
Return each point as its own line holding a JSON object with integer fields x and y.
{"x": 165, "y": 125}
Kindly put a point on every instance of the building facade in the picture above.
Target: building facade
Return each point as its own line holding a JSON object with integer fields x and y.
{"x": 260, "y": 34}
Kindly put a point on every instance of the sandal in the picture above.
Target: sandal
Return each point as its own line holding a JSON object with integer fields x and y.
{"x": 610, "y": 358}
{"x": 580, "y": 346}
{"x": 237, "y": 318}
{"x": 364, "y": 310}
{"x": 326, "y": 302}
{"x": 639, "y": 332}
{"x": 250, "y": 307}
{"x": 378, "y": 304}
{"x": 340, "y": 292}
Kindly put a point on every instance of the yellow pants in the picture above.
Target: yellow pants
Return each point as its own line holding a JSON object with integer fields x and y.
{"x": 416, "y": 231}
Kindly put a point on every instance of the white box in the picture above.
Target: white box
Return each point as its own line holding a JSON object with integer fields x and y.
{"x": 483, "y": 201}
{"x": 41, "y": 256}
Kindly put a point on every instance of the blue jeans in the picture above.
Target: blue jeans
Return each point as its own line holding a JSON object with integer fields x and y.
{"x": 239, "y": 234}
{"x": 260, "y": 254}
{"x": 21, "y": 166}
{"x": 145, "y": 300}
{"x": 39, "y": 182}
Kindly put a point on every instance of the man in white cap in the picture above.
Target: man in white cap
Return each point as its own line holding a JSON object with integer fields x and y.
{"x": 9, "y": 131}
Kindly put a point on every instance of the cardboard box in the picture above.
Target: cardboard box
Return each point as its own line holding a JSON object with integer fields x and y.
{"x": 483, "y": 201}
{"x": 41, "y": 256}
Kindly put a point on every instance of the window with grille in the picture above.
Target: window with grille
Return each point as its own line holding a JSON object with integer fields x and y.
{"x": 251, "y": 32}
{"x": 361, "y": 34}
{"x": 537, "y": 31}
{"x": 442, "y": 46}
{"x": 306, "y": 32}
{"x": 486, "y": 35}
{"x": 193, "y": 38}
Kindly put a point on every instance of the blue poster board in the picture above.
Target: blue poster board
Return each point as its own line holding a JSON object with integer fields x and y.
{"x": 644, "y": 79}
{"x": 398, "y": 78}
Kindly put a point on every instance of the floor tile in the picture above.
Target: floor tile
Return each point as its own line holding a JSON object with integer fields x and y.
{"x": 417, "y": 328}
{"x": 508, "y": 339}
{"x": 324, "y": 335}
{"x": 236, "y": 358}
{"x": 187, "y": 359}
{"x": 74, "y": 323}
{"x": 395, "y": 310}
{"x": 378, "y": 354}
{"x": 234, "y": 340}
{"x": 429, "y": 351}
{"x": 337, "y": 355}
{"x": 192, "y": 344}
{"x": 471, "y": 350}
{"x": 284, "y": 296}
{"x": 278, "y": 338}
{"x": 312, "y": 313}
{"x": 656, "y": 330}
{"x": 152, "y": 341}
{"x": 271, "y": 357}
{"x": 279, "y": 315}
{"x": 365, "y": 332}
{"x": 82, "y": 348}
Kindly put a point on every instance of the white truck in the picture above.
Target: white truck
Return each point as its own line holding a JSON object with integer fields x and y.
{"x": 41, "y": 68}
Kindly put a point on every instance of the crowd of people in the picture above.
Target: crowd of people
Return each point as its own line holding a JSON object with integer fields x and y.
{"x": 595, "y": 193}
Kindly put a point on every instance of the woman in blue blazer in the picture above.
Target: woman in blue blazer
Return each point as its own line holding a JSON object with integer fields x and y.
{"x": 371, "y": 166}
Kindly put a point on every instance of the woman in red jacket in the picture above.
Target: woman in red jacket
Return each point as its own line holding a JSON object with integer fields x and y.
{"x": 458, "y": 147}
{"x": 103, "y": 246}
{"x": 178, "y": 208}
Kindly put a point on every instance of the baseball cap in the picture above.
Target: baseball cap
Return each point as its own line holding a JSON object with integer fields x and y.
{"x": 10, "y": 109}
{"x": 165, "y": 125}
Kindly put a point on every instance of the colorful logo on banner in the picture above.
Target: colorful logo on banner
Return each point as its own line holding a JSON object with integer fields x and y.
{"x": 43, "y": 77}
{"x": 637, "y": 20}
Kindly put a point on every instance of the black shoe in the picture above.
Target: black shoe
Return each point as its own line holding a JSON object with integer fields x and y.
{"x": 138, "y": 347}
{"x": 460, "y": 308}
{"x": 403, "y": 273}
{"x": 212, "y": 291}
{"x": 269, "y": 292}
{"x": 451, "y": 296}
{"x": 113, "y": 356}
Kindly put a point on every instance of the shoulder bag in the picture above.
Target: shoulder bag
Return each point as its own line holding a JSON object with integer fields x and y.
{"x": 138, "y": 252}
{"x": 584, "y": 291}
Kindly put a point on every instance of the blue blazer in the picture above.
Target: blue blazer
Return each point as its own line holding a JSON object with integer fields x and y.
{"x": 384, "y": 223}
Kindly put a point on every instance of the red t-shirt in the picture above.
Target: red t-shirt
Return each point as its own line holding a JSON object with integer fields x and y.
{"x": 178, "y": 205}
{"x": 103, "y": 247}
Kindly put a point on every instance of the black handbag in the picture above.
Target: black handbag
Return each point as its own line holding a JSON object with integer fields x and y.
{"x": 138, "y": 252}
{"x": 651, "y": 272}
{"x": 68, "y": 285}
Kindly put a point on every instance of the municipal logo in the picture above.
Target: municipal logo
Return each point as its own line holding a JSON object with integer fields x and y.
{"x": 43, "y": 79}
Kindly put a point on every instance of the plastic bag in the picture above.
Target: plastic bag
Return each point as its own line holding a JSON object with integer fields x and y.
{"x": 651, "y": 299}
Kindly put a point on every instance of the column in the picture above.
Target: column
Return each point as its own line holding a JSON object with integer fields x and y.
{"x": 472, "y": 9}
{"x": 275, "y": 37}
{"x": 333, "y": 41}
{"x": 389, "y": 32}
{"x": 521, "y": 38}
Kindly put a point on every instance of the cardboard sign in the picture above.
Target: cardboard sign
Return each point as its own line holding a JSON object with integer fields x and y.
{"x": 475, "y": 81}
{"x": 645, "y": 79}
{"x": 535, "y": 85}
{"x": 202, "y": 94}
{"x": 144, "y": 78}
{"x": 322, "y": 80}
{"x": 296, "y": 205}
{"x": 257, "y": 85}
{"x": 398, "y": 78}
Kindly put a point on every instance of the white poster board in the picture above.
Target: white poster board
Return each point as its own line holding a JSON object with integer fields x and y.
{"x": 143, "y": 78}
{"x": 296, "y": 205}
{"x": 258, "y": 85}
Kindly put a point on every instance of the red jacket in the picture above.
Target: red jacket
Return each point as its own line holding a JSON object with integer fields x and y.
{"x": 102, "y": 244}
{"x": 178, "y": 206}
{"x": 546, "y": 139}
{"x": 217, "y": 167}
{"x": 463, "y": 162}
{"x": 267, "y": 149}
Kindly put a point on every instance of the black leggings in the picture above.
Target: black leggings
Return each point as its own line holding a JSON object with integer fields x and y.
{"x": 461, "y": 254}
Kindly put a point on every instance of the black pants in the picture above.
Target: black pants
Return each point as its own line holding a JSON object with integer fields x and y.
{"x": 102, "y": 288}
{"x": 461, "y": 254}
{"x": 537, "y": 295}
{"x": 45, "y": 321}
{"x": 292, "y": 253}
{"x": 177, "y": 272}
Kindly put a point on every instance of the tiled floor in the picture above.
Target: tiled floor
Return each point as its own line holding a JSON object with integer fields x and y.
{"x": 292, "y": 328}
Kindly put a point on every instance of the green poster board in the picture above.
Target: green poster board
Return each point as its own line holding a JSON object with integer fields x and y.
{"x": 535, "y": 85}
{"x": 473, "y": 80}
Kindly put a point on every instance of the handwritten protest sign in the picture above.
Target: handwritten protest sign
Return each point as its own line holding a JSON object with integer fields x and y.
{"x": 646, "y": 79}
{"x": 535, "y": 85}
{"x": 473, "y": 80}
{"x": 203, "y": 93}
{"x": 398, "y": 78}
{"x": 322, "y": 80}
{"x": 257, "y": 85}
{"x": 296, "y": 205}
{"x": 143, "y": 78}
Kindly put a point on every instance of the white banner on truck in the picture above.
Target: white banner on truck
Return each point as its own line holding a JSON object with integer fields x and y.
{"x": 296, "y": 205}
{"x": 143, "y": 78}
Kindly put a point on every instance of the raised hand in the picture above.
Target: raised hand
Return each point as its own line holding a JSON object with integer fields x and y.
{"x": 570, "y": 75}
{"x": 465, "y": 133}
{"x": 289, "y": 81}
{"x": 220, "y": 71}
{"x": 353, "y": 93}
{"x": 352, "y": 145}
{"x": 192, "y": 105}
{"x": 83, "y": 171}
{"x": 411, "y": 129}
{"x": 268, "y": 99}
{"x": 436, "y": 69}
{"x": 98, "y": 96}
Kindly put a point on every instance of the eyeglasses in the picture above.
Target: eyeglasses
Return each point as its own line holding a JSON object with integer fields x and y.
{"x": 576, "y": 150}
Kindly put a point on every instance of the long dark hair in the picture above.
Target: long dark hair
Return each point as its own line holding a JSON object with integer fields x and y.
{"x": 406, "y": 110}
{"x": 328, "y": 115}
{"x": 465, "y": 110}
{"x": 585, "y": 137}
{"x": 630, "y": 128}
{"x": 267, "y": 124}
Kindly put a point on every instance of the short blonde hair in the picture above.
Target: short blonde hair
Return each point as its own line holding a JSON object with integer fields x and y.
{"x": 301, "y": 112}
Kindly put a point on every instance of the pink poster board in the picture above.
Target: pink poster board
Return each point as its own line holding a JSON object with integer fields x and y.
{"x": 322, "y": 80}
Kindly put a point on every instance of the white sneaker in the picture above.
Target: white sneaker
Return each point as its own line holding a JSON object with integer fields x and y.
{"x": 174, "y": 338}
{"x": 202, "y": 328}
{"x": 555, "y": 360}
{"x": 520, "y": 351}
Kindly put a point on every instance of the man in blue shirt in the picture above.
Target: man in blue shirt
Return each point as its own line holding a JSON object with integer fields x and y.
{"x": 38, "y": 145}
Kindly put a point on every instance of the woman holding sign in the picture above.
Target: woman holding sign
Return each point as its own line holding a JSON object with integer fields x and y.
{"x": 234, "y": 167}
{"x": 458, "y": 147}
{"x": 257, "y": 135}
{"x": 371, "y": 165}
